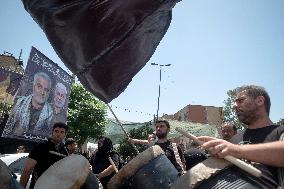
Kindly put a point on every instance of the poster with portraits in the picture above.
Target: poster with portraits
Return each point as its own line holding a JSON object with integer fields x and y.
{"x": 41, "y": 101}
{"x": 9, "y": 84}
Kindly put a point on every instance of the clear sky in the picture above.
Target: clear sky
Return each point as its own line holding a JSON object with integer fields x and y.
{"x": 213, "y": 46}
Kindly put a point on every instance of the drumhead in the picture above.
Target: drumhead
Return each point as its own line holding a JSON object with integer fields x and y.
{"x": 220, "y": 174}
{"x": 69, "y": 172}
{"x": 134, "y": 165}
{"x": 235, "y": 178}
{"x": 201, "y": 171}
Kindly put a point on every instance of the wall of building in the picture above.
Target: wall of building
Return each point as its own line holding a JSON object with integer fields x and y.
{"x": 198, "y": 114}
{"x": 214, "y": 115}
{"x": 11, "y": 63}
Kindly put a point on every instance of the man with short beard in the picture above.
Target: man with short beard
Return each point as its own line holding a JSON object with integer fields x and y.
{"x": 260, "y": 140}
{"x": 162, "y": 130}
{"x": 32, "y": 114}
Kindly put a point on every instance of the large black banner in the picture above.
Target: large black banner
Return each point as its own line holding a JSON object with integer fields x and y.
{"x": 41, "y": 100}
{"x": 105, "y": 43}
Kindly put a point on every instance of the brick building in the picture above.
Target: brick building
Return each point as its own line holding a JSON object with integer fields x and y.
{"x": 198, "y": 114}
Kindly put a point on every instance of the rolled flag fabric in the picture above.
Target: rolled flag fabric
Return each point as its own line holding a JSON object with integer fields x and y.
{"x": 104, "y": 42}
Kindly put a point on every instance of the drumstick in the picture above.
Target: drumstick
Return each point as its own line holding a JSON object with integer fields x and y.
{"x": 237, "y": 162}
{"x": 113, "y": 165}
{"x": 56, "y": 153}
{"x": 122, "y": 128}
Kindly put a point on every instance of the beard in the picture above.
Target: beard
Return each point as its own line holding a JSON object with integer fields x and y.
{"x": 227, "y": 137}
{"x": 59, "y": 103}
{"x": 247, "y": 117}
{"x": 161, "y": 135}
{"x": 39, "y": 99}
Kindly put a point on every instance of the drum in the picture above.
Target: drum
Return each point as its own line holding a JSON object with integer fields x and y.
{"x": 70, "y": 172}
{"x": 150, "y": 169}
{"x": 220, "y": 174}
{"x": 193, "y": 156}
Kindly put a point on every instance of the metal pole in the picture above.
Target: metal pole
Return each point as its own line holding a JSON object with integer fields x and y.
{"x": 119, "y": 123}
{"x": 160, "y": 81}
{"x": 159, "y": 92}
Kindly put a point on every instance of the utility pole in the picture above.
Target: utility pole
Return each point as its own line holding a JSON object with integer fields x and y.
{"x": 160, "y": 80}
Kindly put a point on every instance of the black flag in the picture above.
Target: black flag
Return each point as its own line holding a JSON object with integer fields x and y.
{"x": 104, "y": 42}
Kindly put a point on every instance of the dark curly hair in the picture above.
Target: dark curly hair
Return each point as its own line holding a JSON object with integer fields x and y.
{"x": 107, "y": 146}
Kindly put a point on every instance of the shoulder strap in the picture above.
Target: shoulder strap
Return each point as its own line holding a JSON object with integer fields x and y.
{"x": 174, "y": 145}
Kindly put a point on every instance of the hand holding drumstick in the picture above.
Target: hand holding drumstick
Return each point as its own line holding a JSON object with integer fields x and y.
{"x": 220, "y": 147}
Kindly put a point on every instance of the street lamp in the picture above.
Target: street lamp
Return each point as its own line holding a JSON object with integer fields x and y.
{"x": 160, "y": 65}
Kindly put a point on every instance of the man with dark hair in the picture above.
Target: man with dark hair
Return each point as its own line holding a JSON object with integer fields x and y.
{"x": 260, "y": 141}
{"x": 71, "y": 145}
{"x": 21, "y": 149}
{"x": 170, "y": 149}
{"x": 228, "y": 130}
{"x": 44, "y": 155}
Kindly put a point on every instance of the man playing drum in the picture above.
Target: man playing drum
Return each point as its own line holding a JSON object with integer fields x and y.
{"x": 44, "y": 155}
{"x": 162, "y": 130}
{"x": 259, "y": 142}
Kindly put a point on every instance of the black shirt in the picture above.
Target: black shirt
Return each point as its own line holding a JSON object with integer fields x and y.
{"x": 169, "y": 152}
{"x": 262, "y": 135}
{"x": 100, "y": 162}
{"x": 44, "y": 158}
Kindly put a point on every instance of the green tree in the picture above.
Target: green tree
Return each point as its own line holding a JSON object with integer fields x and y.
{"x": 86, "y": 115}
{"x": 125, "y": 149}
{"x": 5, "y": 108}
{"x": 281, "y": 121}
{"x": 228, "y": 110}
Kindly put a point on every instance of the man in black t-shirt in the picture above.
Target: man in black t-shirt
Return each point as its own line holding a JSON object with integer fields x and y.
{"x": 162, "y": 130}
{"x": 259, "y": 143}
{"x": 44, "y": 155}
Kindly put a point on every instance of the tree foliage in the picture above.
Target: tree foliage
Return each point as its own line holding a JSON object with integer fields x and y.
{"x": 228, "y": 110}
{"x": 125, "y": 149}
{"x": 5, "y": 108}
{"x": 86, "y": 115}
{"x": 281, "y": 122}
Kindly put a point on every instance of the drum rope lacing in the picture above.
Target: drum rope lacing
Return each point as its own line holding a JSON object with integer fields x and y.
{"x": 177, "y": 157}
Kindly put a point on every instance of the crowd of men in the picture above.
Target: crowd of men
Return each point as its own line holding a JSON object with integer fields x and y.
{"x": 258, "y": 143}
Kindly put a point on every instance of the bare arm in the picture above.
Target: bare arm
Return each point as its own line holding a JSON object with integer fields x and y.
{"x": 29, "y": 166}
{"x": 267, "y": 153}
{"x": 106, "y": 172}
{"x": 138, "y": 141}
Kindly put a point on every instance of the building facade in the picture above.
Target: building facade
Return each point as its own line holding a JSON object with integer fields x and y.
{"x": 198, "y": 114}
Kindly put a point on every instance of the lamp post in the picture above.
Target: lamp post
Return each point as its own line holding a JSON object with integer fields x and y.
{"x": 160, "y": 65}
